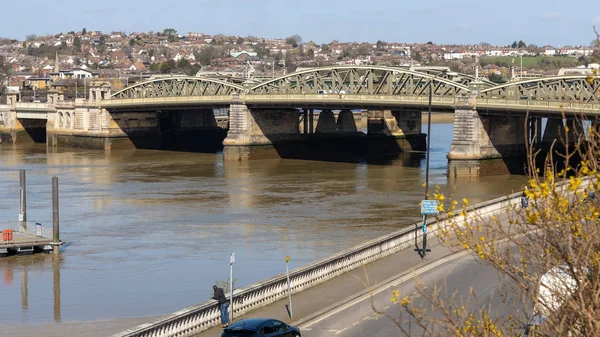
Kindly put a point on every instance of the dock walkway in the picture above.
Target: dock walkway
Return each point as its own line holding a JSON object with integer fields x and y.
{"x": 23, "y": 241}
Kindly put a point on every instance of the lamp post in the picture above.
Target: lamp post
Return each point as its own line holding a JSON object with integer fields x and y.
{"x": 427, "y": 166}
{"x": 521, "y": 77}
{"x": 423, "y": 252}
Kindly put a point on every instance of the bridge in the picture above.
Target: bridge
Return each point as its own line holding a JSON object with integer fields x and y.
{"x": 491, "y": 121}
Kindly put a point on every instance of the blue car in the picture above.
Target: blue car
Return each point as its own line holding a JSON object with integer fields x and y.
{"x": 260, "y": 327}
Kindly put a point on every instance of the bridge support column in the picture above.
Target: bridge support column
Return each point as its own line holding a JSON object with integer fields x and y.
{"x": 478, "y": 140}
{"x": 403, "y": 126}
{"x": 9, "y": 125}
{"x": 346, "y": 122}
{"x": 259, "y": 133}
{"x": 556, "y": 132}
{"x": 326, "y": 122}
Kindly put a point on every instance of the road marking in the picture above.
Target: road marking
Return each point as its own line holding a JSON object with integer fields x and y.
{"x": 339, "y": 332}
{"x": 386, "y": 308}
{"x": 309, "y": 329}
{"x": 355, "y": 323}
{"x": 386, "y": 287}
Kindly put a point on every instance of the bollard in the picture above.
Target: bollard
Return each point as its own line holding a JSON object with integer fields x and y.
{"x": 55, "y": 227}
{"x": 23, "y": 198}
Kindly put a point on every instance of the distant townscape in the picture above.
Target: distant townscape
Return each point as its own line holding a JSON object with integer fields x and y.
{"x": 64, "y": 61}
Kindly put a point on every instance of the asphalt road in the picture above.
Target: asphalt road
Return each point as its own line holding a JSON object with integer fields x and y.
{"x": 357, "y": 318}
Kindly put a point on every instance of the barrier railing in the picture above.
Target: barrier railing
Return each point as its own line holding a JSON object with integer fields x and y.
{"x": 193, "y": 320}
{"x": 29, "y": 231}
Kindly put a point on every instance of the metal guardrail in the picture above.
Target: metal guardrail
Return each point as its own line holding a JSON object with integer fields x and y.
{"x": 29, "y": 231}
{"x": 193, "y": 320}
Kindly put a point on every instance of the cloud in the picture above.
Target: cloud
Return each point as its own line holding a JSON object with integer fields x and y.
{"x": 550, "y": 16}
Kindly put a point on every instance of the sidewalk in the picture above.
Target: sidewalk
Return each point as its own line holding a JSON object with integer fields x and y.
{"x": 346, "y": 286}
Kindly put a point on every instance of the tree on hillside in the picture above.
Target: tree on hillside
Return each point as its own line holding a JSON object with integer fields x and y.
{"x": 514, "y": 44}
{"x": 83, "y": 31}
{"x": 4, "y": 74}
{"x": 380, "y": 45}
{"x": 294, "y": 40}
{"x": 546, "y": 255}
{"x": 239, "y": 41}
{"x": 77, "y": 44}
{"x": 30, "y": 37}
{"x": 279, "y": 56}
{"x": 521, "y": 44}
{"x": 206, "y": 55}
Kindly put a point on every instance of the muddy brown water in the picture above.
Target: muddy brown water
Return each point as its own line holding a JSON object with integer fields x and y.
{"x": 149, "y": 232}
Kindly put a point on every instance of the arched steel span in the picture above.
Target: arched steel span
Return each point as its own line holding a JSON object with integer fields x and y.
{"x": 464, "y": 79}
{"x": 571, "y": 88}
{"x": 177, "y": 87}
{"x": 359, "y": 80}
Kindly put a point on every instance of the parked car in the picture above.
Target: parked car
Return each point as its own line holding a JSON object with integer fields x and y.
{"x": 260, "y": 327}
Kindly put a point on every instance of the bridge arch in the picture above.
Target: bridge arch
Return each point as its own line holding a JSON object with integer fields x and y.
{"x": 447, "y": 73}
{"x": 178, "y": 86}
{"x": 570, "y": 88}
{"x": 360, "y": 80}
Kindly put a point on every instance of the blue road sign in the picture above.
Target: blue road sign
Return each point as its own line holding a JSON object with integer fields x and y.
{"x": 429, "y": 207}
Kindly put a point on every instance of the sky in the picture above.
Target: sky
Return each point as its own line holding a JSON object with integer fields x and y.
{"x": 540, "y": 22}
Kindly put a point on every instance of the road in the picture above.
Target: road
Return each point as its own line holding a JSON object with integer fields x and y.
{"x": 460, "y": 272}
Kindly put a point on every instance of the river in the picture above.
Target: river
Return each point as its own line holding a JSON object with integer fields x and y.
{"x": 149, "y": 232}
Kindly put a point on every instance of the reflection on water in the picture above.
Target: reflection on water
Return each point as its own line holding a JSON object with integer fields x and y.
{"x": 149, "y": 232}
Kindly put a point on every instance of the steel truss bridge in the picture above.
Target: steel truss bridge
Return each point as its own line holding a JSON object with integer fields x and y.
{"x": 367, "y": 86}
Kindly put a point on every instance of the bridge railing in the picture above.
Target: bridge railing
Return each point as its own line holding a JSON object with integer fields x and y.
{"x": 31, "y": 106}
{"x": 193, "y": 320}
{"x": 30, "y": 229}
{"x": 572, "y": 107}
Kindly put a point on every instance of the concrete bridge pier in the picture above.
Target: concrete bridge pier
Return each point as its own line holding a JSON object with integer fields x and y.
{"x": 395, "y": 131}
{"x": 259, "y": 133}
{"x": 486, "y": 144}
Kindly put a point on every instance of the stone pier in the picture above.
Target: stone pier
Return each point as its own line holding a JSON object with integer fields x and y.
{"x": 257, "y": 133}
{"x": 399, "y": 129}
{"x": 483, "y": 143}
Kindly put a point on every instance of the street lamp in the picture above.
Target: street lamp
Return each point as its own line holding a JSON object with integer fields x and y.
{"x": 521, "y": 77}
{"x": 423, "y": 252}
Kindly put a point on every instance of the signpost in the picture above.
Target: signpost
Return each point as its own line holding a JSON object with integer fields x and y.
{"x": 231, "y": 262}
{"x": 428, "y": 207}
{"x": 287, "y": 272}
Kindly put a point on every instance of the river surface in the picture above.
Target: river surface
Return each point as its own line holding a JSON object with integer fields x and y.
{"x": 149, "y": 232}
